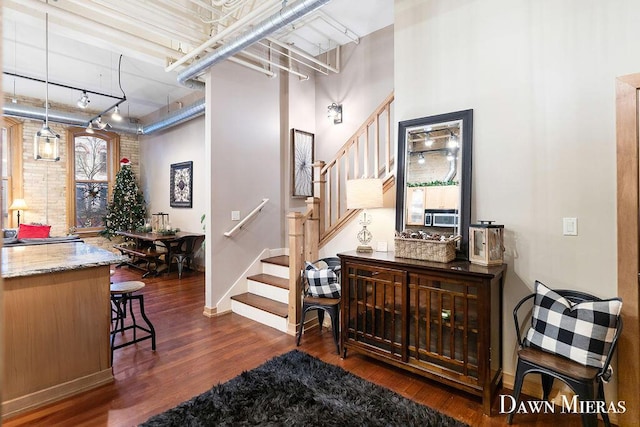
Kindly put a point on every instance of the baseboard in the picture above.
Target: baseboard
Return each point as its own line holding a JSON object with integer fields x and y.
{"x": 39, "y": 398}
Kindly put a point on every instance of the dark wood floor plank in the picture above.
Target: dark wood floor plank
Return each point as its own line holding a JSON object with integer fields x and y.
{"x": 195, "y": 352}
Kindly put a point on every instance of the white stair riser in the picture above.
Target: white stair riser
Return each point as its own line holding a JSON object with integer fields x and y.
{"x": 275, "y": 270}
{"x": 272, "y": 292}
{"x": 260, "y": 316}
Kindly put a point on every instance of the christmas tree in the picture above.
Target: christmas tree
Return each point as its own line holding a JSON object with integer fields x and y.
{"x": 127, "y": 211}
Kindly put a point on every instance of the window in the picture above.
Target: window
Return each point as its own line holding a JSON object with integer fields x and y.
{"x": 11, "y": 169}
{"x": 91, "y": 177}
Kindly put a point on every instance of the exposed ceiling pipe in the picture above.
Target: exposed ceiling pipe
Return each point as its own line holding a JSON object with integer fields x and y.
{"x": 38, "y": 113}
{"x": 179, "y": 116}
{"x": 273, "y": 23}
{"x": 175, "y": 118}
{"x": 222, "y": 34}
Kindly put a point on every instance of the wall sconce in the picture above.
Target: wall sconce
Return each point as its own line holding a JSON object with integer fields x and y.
{"x": 18, "y": 205}
{"x": 334, "y": 111}
{"x": 364, "y": 194}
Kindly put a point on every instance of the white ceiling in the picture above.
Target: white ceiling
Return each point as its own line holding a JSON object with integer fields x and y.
{"x": 85, "y": 48}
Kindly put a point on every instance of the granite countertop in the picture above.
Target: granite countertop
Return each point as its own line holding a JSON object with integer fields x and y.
{"x": 41, "y": 259}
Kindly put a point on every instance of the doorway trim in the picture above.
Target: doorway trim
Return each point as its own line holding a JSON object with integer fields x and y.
{"x": 628, "y": 197}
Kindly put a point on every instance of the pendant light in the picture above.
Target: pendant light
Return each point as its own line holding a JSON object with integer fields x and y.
{"x": 46, "y": 143}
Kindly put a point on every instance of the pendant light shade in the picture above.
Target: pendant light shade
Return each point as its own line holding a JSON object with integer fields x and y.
{"x": 46, "y": 143}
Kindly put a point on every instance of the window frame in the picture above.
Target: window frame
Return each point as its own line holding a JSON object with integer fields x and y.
{"x": 113, "y": 165}
{"x": 14, "y": 175}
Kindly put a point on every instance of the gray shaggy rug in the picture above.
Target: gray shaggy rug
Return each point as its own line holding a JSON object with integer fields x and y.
{"x": 299, "y": 389}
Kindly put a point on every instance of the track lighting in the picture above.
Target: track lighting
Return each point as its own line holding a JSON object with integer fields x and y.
{"x": 453, "y": 141}
{"x": 334, "y": 111}
{"x": 84, "y": 101}
{"x": 101, "y": 125}
{"x": 421, "y": 158}
{"x": 89, "y": 128}
{"x": 116, "y": 114}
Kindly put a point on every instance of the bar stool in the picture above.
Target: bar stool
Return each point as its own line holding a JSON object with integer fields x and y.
{"x": 121, "y": 294}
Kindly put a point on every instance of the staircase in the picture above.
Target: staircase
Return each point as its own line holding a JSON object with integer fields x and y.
{"x": 272, "y": 297}
{"x": 267, "y": 298}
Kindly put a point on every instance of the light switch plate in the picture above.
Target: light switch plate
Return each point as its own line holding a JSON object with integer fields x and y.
{"x": 569, "y": 226}
{"x": 235, "y": 215}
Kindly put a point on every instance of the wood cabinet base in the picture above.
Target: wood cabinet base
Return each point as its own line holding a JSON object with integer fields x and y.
{"x": 56, "y": 332}
{"x": 439, "y": 320}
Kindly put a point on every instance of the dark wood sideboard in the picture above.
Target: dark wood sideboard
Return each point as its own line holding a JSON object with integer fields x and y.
{"x": 440, "y": 320}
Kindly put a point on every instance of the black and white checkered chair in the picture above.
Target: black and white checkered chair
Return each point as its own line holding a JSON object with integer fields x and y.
{"x": 321, "y": 292}
{"x": 572, "y": 338}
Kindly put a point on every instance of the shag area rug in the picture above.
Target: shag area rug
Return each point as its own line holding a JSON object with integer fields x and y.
{"x": 299, "y": 389}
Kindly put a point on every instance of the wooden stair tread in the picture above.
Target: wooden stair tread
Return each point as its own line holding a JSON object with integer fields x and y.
{"x": 272, "y": 280}
{"x": 282, "y": 260}
{"x": 265, "y": 304}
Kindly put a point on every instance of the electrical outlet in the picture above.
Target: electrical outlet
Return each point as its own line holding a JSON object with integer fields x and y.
{"x": 235, "y": 215}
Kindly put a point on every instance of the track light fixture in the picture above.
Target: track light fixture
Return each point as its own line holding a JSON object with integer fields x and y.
{"x": 84, "y": 101}
{"x": 116, "y": 114}
{"x": 334, "y": 111}
{"x": 421, "y": 158}
{"x": 89, "y": 128}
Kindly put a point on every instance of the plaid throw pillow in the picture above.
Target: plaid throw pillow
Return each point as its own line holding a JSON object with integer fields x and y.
{"x": 322, "y": 282}
{"x": 582, "y": 332}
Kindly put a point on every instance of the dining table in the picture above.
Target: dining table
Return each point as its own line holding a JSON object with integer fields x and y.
{"x": 149, "y": 248}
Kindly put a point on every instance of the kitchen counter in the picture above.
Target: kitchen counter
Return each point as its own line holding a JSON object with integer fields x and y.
{"x": 56, "y": 317}
{"x": 41, "y": 259}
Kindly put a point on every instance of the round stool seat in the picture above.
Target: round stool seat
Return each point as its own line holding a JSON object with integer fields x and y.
{"x": 126, "y": 287}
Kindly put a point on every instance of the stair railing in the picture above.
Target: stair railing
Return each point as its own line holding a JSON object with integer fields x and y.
{"x": 369, "y": 153}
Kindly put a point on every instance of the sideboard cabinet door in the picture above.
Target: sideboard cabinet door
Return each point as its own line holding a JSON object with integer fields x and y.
{"x": 374, "y": 309}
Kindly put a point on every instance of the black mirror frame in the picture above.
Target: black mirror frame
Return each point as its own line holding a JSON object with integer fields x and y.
{"x": 465, "y": 185}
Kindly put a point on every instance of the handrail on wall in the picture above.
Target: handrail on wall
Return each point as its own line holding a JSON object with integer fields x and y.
{"x": 247, "y": 218}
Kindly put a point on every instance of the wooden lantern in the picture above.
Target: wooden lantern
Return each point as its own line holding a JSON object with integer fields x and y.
{"x": 486, "y": 243}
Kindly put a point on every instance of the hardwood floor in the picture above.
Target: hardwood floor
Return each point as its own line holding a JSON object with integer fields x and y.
{"x": 195, "y": 353}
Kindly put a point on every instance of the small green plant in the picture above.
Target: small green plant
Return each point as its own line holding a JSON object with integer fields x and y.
{"x": 435, "y": 183}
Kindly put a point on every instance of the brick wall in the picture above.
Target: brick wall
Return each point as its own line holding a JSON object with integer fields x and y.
{"x": 45, "y": 183}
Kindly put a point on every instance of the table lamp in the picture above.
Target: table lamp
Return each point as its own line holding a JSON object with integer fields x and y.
{"x": 364, "y": 194}
{"x": 18, "y": 205}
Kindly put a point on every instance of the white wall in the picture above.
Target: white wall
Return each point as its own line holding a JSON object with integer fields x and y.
{"x": 364, "y": 81}
{"x": 540, "y": 77}
{"x": 243, "y": 120}
{"x": 158, "y": 151}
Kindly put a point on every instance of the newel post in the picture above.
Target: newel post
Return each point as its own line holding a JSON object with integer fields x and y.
{"x": 312, "y": 230}
{"x": 296, "y": 240}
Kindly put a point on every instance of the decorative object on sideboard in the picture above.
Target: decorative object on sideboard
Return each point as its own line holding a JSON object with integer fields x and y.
{"x": 181, "y": 185}
{"x": 18, "y": 205}
{"x": 364, "y": 194}
{"x": 426, "y": 246}
{"x": 486, "y": 243}
{"x": 46, "y": 143}
{"x": 334, "y": 111}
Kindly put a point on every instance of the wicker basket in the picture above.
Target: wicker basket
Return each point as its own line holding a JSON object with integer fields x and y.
{"x": 427, "y": 250}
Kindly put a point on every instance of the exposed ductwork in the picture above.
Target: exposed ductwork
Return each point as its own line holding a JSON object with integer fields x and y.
{"x": 37, "y": 113}
{"x": 453, "y": 170}
{"x": 263, "y": 29}
{"x": 179, "y": 116}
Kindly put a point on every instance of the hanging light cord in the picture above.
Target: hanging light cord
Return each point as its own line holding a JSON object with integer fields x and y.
{"x": 46, "y": 45}
{"x": 120, "y": 76}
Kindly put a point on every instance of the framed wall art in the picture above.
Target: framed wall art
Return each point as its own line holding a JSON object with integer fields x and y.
{"x": 181, "y": 185}
{"x": 301, "y": 163}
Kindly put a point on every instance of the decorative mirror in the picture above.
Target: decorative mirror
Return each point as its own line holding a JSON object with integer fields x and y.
{"x": 434, "y": 176}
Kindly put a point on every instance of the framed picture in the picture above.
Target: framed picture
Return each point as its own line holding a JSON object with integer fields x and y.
{"x": 301, "y": 163}
{"x": 181, "y": 185}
